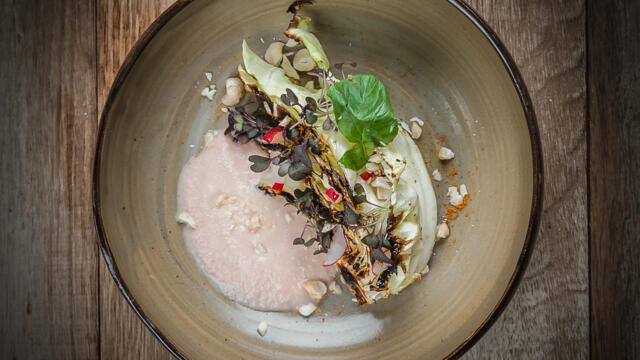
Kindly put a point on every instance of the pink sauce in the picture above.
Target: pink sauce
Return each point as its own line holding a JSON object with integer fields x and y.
{"x": 243, "y": 239}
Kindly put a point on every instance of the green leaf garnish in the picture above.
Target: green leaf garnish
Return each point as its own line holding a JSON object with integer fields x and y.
{"x": 364, "y": 116}
{"x": 354, "y": 158}
{"x": 260, "y": 163}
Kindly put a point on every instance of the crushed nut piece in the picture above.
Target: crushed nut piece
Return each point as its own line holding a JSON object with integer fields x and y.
{"x": 416, "y": 130}
{"x": 436, "y": 175}
{"x": 302, "y": 61}
{"x": 307, "y": 309}
{"x": 291, "y": 43}
{"x": 185, "y": 218}
{"x": 315, "y": 288}
{"x": 442, "y": 231}
{"x": 288, "y": 69}
{"x": 234, "y": 91}
{"x": 455, "y": 198}
{"x": 274, "y": 53}
{"x": 262, "y": 328}
{"x": 445, "y": 153}
{"x": 208, "y": 93}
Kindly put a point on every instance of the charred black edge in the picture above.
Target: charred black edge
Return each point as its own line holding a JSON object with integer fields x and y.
{"x": 297, "y": 5}
{"x": 269, "y": 191}
{"x": 536, "y": 207}
{"x": 352, "y": 283}
{"x": 105, "y": 248}
{"x": 538, "y": 176}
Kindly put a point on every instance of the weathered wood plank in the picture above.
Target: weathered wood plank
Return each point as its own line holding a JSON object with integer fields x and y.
{"x": 120, "y": 24}
{"x": 614, "y": 117}
{"x": 548, "y": 316}
{"x": 48, "y": 256}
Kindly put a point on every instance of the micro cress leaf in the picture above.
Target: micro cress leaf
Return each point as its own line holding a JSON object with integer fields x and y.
{"x": 386, "y": 243}
{"x": 298, "y": 171}
{"x": 350, "y": 216}
{"x": 327, "y": 124}
{"x": 326, "y": 240}
{"x": 260, "y": 163}
{"x": 378, "y": 254}
{"x": 363, "y": 114}
{"x": 372, "y": 240}
{"x": 359, "y": 194}
{"x": 283, "y": 169}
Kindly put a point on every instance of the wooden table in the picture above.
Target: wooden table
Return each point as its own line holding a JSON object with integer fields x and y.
{"x": 578, "y": 298}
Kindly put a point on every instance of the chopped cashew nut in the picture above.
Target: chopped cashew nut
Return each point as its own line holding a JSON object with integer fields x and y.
{"x": 416, "y": 130}
{"x": 291, "y": 43}
{"x": 442, "y": 231}
{"x": 445, "y": 154}
{"x": 288, "y": 69}
{"x": 274, "y": 53}
{"x": 235, "y": 91}
{"x": 262, "y": 328}
{"x": 436, "y": 175}
{"x": 455, "y": 198}
{"x": 315, "y": 288}
{"x": 184, "y": 218}
{"x": 302, "y": 61}
{"x": 307, "y": 309}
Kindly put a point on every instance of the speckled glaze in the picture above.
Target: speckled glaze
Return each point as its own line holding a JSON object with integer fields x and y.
{"x": 439, "y": 62}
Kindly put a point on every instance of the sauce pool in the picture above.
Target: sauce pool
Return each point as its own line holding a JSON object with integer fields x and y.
{"x": 243, "y": 237}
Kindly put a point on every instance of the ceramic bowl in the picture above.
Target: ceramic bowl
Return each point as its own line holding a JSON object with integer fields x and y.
{"x": 440, "y": 63}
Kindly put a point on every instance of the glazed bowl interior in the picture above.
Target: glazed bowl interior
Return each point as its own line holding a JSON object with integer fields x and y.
{"x": 437, "y": 64}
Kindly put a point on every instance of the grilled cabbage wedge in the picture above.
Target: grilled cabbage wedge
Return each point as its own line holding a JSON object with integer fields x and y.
{"x": 407, "y": 214}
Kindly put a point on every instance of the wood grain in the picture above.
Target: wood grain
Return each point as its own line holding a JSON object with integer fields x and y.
{"x": 614, "y": 118}
{"x": 48, "y": 252}
{"x": 120, "y": 23}
{"x": 548, "y": 316}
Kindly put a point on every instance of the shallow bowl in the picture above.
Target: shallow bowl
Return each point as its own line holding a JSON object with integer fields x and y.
{"x": 440, "y": 63}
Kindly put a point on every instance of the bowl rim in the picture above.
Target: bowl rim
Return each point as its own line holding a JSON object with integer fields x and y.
{"x": 536, "y": 152}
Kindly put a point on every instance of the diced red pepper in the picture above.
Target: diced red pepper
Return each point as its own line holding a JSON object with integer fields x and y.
{"x": 277, "y": 186}
{"x": 333, "y": 194}
{"x": 367, "y": 176}
{"x": 274, "y": 136}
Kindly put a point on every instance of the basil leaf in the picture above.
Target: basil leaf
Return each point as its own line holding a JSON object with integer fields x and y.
{"x": 355, "y": 158}
{"x": 363, "y": 110}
